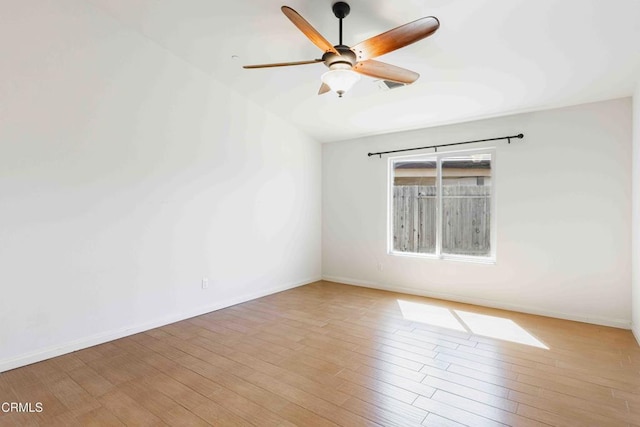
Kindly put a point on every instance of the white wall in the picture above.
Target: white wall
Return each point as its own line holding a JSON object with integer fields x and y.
{"x": 127, "y": 175}
{"x": 563, "y": 215}
{"x": 635, "y": 217}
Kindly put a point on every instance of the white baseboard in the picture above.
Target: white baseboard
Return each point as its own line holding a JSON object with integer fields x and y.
{"x": 48, "y": 353}
{"x": 615, "y": 323}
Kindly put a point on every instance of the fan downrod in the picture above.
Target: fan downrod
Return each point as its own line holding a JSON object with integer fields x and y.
{"x": 341, "y": 9}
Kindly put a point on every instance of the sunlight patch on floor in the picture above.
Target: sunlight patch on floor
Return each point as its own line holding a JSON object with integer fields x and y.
{"x": 430, "y": 314}
{"x": 478, "y": 324}
{"x": 498, "y": 327}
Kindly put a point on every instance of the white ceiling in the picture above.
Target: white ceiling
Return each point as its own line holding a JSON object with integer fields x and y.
{"x": 489, "y": 57}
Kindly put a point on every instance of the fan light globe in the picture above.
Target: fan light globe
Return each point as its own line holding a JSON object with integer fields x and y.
{"x": 340, "y": 81}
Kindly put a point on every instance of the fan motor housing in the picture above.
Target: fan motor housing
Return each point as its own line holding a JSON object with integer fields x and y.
{"x": 347, "y": 57}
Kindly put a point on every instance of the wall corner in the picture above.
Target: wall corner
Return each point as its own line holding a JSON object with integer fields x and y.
{"x": 635, "y": 216}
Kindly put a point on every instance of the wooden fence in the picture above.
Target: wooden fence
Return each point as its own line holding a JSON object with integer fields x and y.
{"x": 466, "y": 228}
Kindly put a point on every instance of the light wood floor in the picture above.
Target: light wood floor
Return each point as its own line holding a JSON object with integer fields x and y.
{"x": 328, "y": 354}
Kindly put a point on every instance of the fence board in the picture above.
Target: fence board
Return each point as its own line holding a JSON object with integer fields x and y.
{"x": 466, "y": 215}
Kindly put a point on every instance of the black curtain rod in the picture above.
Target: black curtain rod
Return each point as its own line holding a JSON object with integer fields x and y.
{"x": 508, "y": 138}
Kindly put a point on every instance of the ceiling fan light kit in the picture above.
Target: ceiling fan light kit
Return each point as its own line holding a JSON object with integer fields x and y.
{"x": 340, "y": 81}
{"x": 346, "y": 64}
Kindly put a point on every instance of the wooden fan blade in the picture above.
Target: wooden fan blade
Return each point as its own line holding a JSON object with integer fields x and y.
{"x": 324, "y": 88}
{"x": 394, "y": 39}
{"x": 282, "y": 64}
{"x": 311, "y": 33}
{"x": 381, "y": 70}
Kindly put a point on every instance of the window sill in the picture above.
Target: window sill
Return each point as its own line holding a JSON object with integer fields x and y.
{"x": 455, "y": 258}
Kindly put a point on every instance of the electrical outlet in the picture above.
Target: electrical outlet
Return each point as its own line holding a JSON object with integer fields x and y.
{"x": 380, "y": 266}
{"x": 205, "y": 283}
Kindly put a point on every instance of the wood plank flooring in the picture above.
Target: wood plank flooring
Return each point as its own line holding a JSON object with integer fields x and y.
{"x": 328, "y": 354}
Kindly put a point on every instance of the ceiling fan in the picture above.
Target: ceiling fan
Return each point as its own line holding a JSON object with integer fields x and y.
{"x": 347, "y": 63}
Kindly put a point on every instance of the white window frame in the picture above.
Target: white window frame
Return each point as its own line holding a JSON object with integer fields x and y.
{"x": 491, "y": 258}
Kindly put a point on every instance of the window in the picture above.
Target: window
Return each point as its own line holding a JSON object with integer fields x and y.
{"x": 442, "y": 205}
